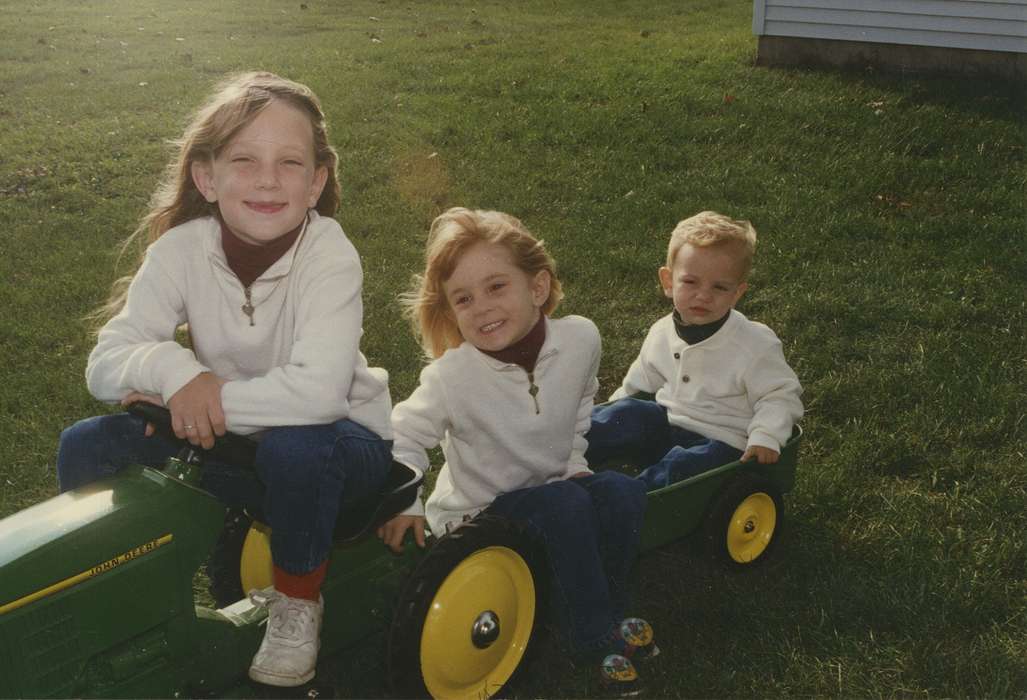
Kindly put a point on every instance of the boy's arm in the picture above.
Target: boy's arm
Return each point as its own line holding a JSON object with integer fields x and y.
{"x": 643, "y": 377}
{"x": 774, "y": 391}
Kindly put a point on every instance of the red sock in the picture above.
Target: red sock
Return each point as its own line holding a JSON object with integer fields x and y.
{"x": 306, "y": 586}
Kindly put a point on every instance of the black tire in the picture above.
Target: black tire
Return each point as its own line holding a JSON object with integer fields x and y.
{"x": 497, "y": 575}
{"x": 744, "y": 522}
{"x": 223, "y": 565}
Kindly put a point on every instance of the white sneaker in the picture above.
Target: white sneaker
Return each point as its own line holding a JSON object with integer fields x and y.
{"x": 288, "y": 655}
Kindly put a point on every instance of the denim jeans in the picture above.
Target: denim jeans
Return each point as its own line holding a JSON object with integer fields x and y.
{"x": 590, "y": 529}
{"x": 668, "y": 453}
{"x": 304, "y": 475}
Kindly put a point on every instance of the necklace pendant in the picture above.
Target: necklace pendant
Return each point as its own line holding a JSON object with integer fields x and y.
{"x": 247, "y": 309}
{"x": 533, "y": 392}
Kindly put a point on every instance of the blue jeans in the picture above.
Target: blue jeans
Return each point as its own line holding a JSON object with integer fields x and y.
{"x": 304, "y": 475}
{"x": 668, "y": 453}
{"x": 590, "y": 529}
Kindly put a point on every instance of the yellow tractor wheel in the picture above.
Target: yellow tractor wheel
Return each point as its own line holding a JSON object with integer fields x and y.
{"x": 467, "y": 615}
{"x": 240, "y": 560}
{"x": 255, "y": 567}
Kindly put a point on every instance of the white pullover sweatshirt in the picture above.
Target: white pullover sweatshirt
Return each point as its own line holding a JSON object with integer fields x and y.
{"x": 494, "y": 435}
{"x": 297, "y": 362}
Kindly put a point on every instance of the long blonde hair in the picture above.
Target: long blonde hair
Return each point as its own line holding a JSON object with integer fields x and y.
{"x": 235, "y": 102}
{"x": 451, "y": 234}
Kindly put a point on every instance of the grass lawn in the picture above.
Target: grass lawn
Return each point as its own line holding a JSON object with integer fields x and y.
{"x": 892, "y": 262}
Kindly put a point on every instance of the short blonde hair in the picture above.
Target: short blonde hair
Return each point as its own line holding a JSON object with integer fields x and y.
{"x": 452, "y": 233}
{"x": 708, "y": 228}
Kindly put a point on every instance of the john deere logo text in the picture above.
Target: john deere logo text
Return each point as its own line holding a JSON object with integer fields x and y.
{"x": 129, "y": 556}
{"x": 87, "y": 574}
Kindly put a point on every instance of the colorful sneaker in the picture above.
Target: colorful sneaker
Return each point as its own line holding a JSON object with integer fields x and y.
{"x": 618, "y": 677}
{"x": 288, "y": 655}
{"x": 636, "y": 639}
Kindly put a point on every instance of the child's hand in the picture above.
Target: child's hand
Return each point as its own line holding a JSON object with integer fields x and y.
{"x": 196, "y": 413}
{"x": 763, "y": 455}
{"x": 148, "y": 398}
{"x": 391, "y": 533}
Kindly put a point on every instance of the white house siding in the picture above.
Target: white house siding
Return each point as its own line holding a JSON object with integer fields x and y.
{"x": 988, "y": 25}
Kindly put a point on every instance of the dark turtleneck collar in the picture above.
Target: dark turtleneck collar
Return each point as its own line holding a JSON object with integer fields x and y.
{"x": 525, "y": 351}
{"x": 249, "y": 261}
{"x": 693, "y": 333}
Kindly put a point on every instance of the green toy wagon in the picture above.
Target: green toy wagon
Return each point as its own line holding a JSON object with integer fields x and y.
{"x": 96, "y": 596}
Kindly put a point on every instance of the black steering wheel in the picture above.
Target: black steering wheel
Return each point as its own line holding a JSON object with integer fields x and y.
{"x": 229, "y": 448}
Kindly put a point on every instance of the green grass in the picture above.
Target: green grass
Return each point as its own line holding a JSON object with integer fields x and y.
{"x": 892, "y": 219}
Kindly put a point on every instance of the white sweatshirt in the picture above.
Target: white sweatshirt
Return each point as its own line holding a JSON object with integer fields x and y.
{"x": 494, "y": 437}
{"x": 299, "y": 363}
{"x": 735, "y": 386}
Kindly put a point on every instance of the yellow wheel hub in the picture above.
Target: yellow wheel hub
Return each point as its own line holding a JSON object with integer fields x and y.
{"x": 478, "y": 626}
{"x": 751, "y": 527}
{"x": 255, "y": 562}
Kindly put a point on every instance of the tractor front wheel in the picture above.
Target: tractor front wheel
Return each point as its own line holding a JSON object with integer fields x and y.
{"x": 240, "y": 560}
{"x": 223, "y": 563}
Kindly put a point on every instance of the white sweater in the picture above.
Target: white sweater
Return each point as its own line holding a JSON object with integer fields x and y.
{"x": 493, "y": 438}
{"x": 298, "y": 364}
{"x": 735, "y": 386}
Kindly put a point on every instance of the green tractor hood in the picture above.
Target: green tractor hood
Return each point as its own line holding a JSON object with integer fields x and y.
{"x": 103, "y": 568}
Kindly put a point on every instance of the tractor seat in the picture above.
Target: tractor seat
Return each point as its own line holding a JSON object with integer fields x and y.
{"x": 396, "y": 495}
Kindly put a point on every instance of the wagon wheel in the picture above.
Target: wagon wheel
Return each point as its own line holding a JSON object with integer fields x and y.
{"x": 467, "y": 614}
{"x": 742, "y": 525}
{"x": 240, "y": 560}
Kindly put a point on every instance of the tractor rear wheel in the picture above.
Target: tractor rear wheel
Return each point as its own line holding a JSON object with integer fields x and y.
{"x": 467, "y": 615}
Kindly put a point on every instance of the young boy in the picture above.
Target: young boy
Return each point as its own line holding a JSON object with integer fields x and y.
{"x": 722, "y": 386}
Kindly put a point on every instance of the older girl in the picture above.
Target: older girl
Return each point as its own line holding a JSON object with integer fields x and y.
{"x": 243, "y": 249}
{"x": 508, "y": 395}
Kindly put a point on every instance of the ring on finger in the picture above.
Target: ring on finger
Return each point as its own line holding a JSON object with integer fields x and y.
{"x": 190, "y": 427}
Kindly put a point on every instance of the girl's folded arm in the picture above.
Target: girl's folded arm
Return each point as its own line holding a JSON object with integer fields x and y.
{"x": 136, "y": 350}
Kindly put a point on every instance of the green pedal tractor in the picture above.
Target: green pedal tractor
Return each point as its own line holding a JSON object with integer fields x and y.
{"x": 96, "y": 584}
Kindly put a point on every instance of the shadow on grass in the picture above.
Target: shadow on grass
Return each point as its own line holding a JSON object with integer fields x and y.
{"x": 834, "y": 610}
{"x": 992, "y": 97}
{"x": 826, "y": 615}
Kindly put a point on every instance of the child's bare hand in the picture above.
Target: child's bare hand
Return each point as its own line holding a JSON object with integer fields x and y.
{"x": 391, "y": 533}
{"x": 763, "y": 455}
{"x": 196, "y": 413}
{"x": 136, "y": 396}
